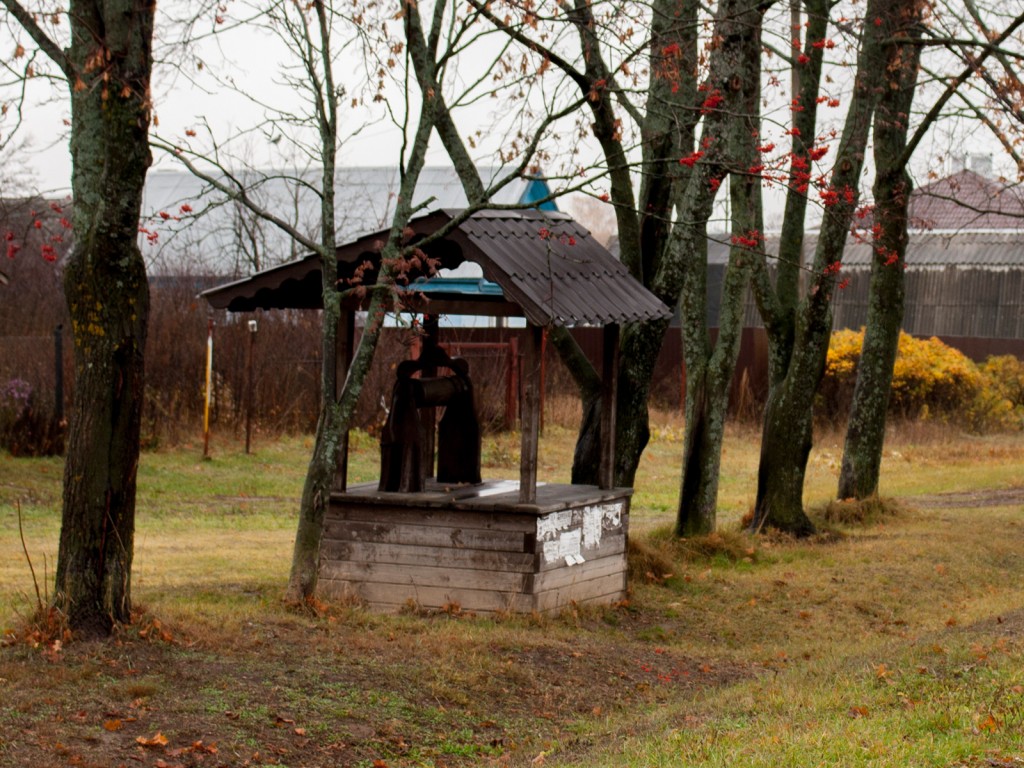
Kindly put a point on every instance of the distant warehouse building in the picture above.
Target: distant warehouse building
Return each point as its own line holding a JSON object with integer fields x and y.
{"x": 965, "y": 267}
{"x": 964, "y": 275}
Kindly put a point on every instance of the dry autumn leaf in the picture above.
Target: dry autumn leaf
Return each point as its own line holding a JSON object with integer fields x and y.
{"x": 989, "y": 724}
{"x": 158, "y": 740}
{"x": 113, "y": 725}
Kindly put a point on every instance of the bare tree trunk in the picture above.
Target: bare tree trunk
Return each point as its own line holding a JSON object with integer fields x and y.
{"x": 865, "y": 433}
{"x": 644, "y": 227}
{"x": 327, "y": 445}
{"x": 710, "y": 367}
{"x": 336, "y": 413}
{"x": 788, "y": 422}
{"x": 108, "y": 299}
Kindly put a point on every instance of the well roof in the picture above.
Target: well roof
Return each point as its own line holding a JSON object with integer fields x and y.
{"x": 548, "y": 267}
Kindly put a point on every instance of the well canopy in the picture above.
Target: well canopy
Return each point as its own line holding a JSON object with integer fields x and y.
{"x": 538, "y": 264}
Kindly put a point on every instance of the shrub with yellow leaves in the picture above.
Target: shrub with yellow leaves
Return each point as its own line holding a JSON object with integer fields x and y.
{"x": 930, "y": 380}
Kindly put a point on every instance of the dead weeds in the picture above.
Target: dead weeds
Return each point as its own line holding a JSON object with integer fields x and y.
{"x": 862, "y": 512}
{"x": 656, "y": 557}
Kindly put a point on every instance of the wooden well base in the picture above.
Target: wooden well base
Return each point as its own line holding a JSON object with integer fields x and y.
{"x": 476, "y": 547}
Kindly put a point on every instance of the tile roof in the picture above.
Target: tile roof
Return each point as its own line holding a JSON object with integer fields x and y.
{"x": 966, "y": 200}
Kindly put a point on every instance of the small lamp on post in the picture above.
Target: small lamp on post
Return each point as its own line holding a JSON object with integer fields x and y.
{"x": 248, "y": 385}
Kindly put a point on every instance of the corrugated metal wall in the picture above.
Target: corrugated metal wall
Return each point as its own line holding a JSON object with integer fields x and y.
{"x": 954, "y": 302}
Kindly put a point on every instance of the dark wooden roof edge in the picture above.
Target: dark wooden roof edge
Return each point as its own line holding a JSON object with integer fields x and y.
{"x": 562, "y": 277}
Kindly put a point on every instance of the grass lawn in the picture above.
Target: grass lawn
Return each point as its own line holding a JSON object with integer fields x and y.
{"x": 899, "y": 642}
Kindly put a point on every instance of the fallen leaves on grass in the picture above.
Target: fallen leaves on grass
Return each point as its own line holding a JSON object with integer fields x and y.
{"x": 158, "y": 740}
{"x": 156, "y": 631}
{"x": 989, "y": 724}
{"x": 196, "y": 747}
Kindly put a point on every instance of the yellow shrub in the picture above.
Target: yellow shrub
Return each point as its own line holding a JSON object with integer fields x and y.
{"x": 844, "y": 352}
{"x": 1005, "y": 374}
{"x": 930, "y": 379}
{"x": 929, "y": 374}
{"x": 1000, "y": 405}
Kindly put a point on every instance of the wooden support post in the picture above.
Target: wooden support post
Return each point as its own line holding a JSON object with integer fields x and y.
{"x": 253, "y": 327}
{"x": 209, "y": 389}
{"x": 529, "y": 417}
{"x": 428, "y": 416}
{"x": 609, "y": 393}
{"x": 543, "y": 375}
{"x": 345, "y": 342}
{"x": 512, "y": 383}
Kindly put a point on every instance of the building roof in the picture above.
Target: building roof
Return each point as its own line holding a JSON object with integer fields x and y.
{"x": 365, "y": 197}
{"x": 966, "y": 201}
{"x": 937, "y": 250}
{"x": 549, "y": 269}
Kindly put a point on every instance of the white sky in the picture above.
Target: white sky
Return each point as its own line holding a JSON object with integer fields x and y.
{"x": 181, "y": 106}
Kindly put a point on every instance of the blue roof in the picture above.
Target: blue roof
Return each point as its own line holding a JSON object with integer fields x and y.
{"x": 468, "y": 286}
{"x": 538, "y": 189}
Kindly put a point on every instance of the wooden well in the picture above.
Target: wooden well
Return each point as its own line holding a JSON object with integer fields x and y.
{"x": 476, "y": 548}
{"x": 498, "y": 545}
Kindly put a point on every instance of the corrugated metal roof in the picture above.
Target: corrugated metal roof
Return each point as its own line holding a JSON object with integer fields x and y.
{"x": 925, "y": 250}
{"x": 935, "y": 250}
{"x": 546, "y": 264}
{"x": 364, "y": 202}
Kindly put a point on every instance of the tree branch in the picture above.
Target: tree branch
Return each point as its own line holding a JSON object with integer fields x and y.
{"x": 239, "y": 194}
{"x": 44, "y": 41}
{"x": 952, "y": 88}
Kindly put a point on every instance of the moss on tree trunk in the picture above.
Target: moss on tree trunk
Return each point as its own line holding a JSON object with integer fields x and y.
{"x": 865, "y": 433}
{"x": 736, "y": 67}
{"x": 108, "y": 301}
{"x": 787, "y": 428}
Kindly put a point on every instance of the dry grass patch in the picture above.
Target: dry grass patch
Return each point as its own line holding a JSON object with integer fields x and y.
{"x": 659, "y": 554}
{"x": 860, "y": 512}
{"x": 736, "y": 651}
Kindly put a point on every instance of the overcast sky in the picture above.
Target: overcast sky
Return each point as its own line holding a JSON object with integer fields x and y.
{"x": 253, "y": 59}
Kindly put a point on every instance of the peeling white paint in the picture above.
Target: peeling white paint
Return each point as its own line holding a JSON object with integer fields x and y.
{"x": 597, "y": 519}
{"x": 568, "y": 533}
{"x": 549, "y": 526}
{"x": 566, "y": 546}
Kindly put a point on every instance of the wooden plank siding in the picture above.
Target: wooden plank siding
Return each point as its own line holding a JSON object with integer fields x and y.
{"x": 949, "y": 302}
{"x": 496, "y": 557}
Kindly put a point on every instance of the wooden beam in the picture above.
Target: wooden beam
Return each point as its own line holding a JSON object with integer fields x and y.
{"x": 609, "y": 392}
{"x": 345, "y": 342}
{"x": 529, "y": 418}
{"x": 428, "y": 416}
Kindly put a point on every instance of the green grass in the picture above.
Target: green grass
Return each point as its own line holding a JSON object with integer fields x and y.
{"x": 896, "y": 642}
